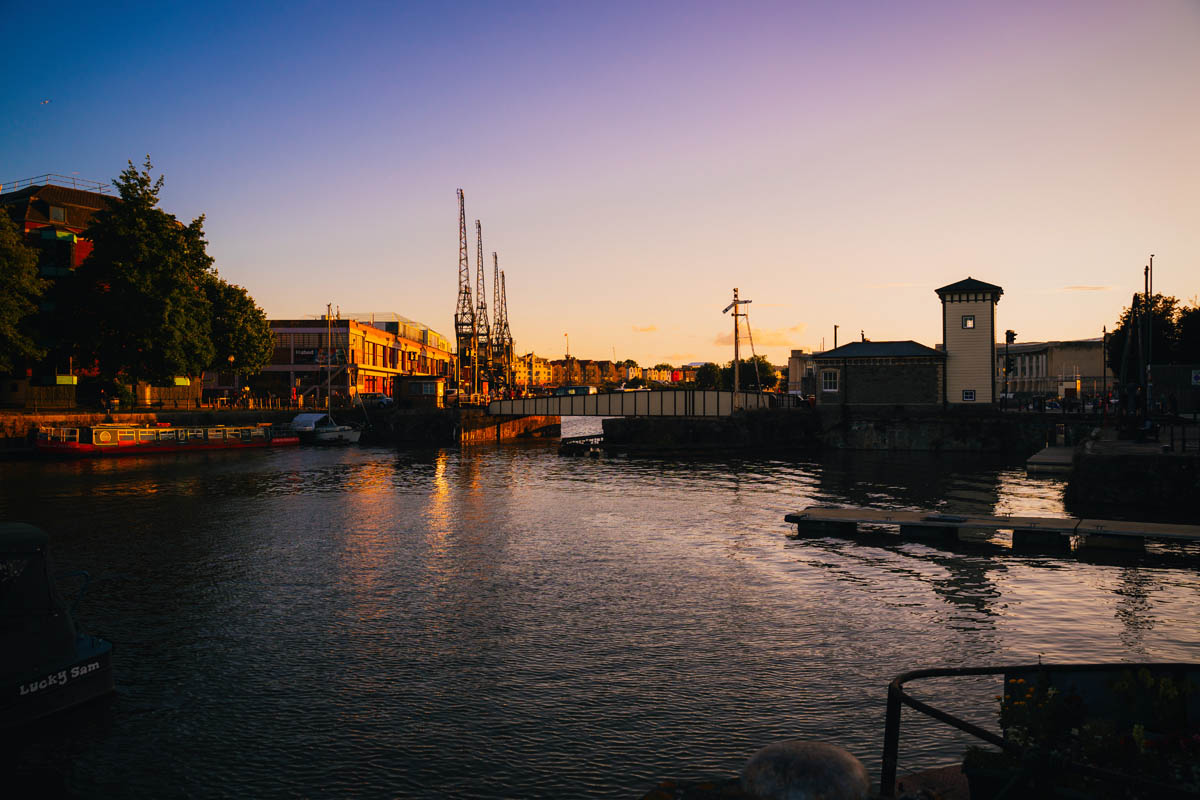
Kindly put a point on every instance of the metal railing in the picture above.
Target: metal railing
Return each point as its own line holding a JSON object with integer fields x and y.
{"x": 897, "y": 697}
{"x": 49, "y": 178}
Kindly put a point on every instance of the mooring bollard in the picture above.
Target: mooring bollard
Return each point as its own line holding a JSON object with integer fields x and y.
{"x": 795, "y": 768}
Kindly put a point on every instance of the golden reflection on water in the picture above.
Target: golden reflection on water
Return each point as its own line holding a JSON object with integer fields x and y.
{"x": 440, "y": 506}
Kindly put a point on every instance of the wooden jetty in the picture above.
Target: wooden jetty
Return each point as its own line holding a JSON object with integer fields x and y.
{"x": 581, "y": 445}
{"x": 1053, "y": 532}
{"x": 1051, "y": 460}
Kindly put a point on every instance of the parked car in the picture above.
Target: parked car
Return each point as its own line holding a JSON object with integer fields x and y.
{"x": 375, "y": 399}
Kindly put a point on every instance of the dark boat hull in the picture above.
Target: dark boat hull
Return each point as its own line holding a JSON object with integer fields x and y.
{"x": 86, "y": 676}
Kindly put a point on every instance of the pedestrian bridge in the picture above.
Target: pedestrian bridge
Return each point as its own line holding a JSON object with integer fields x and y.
{"x": 670, "y": 403}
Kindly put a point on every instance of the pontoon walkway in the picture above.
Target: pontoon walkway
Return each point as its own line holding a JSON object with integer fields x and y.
{"x": 1035, "y": 531}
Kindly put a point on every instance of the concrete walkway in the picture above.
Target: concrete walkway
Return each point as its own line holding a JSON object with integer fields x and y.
{"x": 1051, "y": 460}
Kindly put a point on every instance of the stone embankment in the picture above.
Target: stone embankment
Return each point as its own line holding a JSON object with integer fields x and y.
{"x": 449, "y": 426}
{"x": 1133, "y": 480}
{"x": 842, "y": 428}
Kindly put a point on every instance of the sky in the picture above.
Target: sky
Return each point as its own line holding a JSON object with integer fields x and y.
{"x": 632, "y": 163}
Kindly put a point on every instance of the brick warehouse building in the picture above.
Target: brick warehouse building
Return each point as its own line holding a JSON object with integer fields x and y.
{"x": 359, "y": 353}
{"x": 880, "y": 373}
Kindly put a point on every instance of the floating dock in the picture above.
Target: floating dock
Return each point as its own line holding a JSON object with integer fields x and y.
{"x": 1053, "y": 460}
{"x": 1053, "y": 532}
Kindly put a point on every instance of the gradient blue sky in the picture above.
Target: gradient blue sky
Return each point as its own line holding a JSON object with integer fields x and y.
{"x": 633, "y": 162}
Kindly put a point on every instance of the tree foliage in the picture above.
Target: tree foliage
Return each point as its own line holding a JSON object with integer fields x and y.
{"x": 747, "y": 368}
{"x": 708, "y": 376}
{"x": 239, "y": 327}
{"x": 151, "y": 305}
{"x": 1174, "y": 336}
{"x": 20, "y": 289}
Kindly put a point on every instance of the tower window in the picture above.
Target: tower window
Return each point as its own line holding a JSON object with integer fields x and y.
{"x": 968, "y": 321}
{"x": 968, "y": 395}
{"x": 58, "y": 214}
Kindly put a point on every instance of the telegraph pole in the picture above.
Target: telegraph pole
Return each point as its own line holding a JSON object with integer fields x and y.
{"x": 734, "y": 306}
{"x": 1149, "y": 330}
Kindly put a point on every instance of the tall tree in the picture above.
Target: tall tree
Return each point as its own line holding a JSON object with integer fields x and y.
{"x": 708, "y": 376}
{"x": 1189, "y": 334}
{"x": 747, "y": 369}
{"x": 144, "y": 314}
{"x": 20, "y": 289}
{"x": 240, "y": 330}
{"x": 1164, "y": 335}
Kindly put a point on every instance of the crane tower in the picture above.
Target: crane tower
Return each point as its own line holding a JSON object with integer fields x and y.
{"x": 503, "y": 350}
{"x": 465, "y": 330}
{"x": 483, "y": 342}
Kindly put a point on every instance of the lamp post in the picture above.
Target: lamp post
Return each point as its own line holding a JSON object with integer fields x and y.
{"x": 1149, "y": 330}
{"x": 1010, "y": 336}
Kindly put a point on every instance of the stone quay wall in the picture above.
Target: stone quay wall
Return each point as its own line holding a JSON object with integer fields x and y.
{"x": 1159, "y": 486}
{"x": 982, "y": 430}
{"x": 449, "y": 426}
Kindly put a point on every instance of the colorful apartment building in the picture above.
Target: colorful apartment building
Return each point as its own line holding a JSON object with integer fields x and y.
{"x": 531, "y": 371}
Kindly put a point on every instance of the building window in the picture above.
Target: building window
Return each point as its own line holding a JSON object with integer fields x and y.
{"x": 968, "y": 320}
{"x": 829, "y": 380}
{"x": 58, "y": 214}
{"x": 968, "y": 395}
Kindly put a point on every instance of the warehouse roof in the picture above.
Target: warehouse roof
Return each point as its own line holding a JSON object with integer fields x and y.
{"x": 906, "y": 349}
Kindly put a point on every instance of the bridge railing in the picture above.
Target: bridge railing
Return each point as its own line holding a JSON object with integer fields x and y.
{"x": 668, "y": 403}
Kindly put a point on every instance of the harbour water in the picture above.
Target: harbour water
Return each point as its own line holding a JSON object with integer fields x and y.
{"x": 500, "y": 621}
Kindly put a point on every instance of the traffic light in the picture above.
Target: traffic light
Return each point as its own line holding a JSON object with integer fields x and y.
{"x": 1010, "y": 336}
{"x": 1009, "y": 364}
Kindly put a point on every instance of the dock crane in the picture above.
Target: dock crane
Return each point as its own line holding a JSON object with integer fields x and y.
{"x": 483, "y": 332}
{"x": 465, "y": 330}
{"x": 502, "y": 343}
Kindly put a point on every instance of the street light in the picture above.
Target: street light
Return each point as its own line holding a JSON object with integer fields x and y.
{"x": 1010, "y": 336}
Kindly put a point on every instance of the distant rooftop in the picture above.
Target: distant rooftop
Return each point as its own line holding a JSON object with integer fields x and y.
{"x": 377, "y": 318}
{"x": 50, "y": 179}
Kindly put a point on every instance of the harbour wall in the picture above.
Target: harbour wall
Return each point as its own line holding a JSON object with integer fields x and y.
{"x": 1155, "y": 486}
{"x": 440, "y": 426}
{"x": 982, "y": 430}
{"x": 449, "y": 426}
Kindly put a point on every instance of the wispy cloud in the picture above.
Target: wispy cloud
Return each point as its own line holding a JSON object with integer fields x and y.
{"x": 1087, "y": 288}
{"x": 645, "y": 328}
{"x": 780, "y": 337}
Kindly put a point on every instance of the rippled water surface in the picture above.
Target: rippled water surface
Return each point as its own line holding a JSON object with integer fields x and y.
{"x": 504, "y": 622}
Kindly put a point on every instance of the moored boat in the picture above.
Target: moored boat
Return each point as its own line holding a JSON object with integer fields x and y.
{"x": 318, "y": 428}
{"x": 48, "y": 665}
{"x": 116, "y": 439}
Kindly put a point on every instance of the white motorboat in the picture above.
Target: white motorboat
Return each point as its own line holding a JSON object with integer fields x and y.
{"x": 320, "y": 428}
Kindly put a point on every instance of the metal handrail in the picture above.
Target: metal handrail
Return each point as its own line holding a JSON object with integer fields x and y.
{"x": 51, "y": 178}
{"x": 897, "y": 696}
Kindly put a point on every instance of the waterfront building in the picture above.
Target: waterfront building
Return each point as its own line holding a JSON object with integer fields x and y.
{"x": 1058, "y": 369}
{"x": 969, "y": 341}
{"x": 801, "y": 373}
{"x": 531, "y": 371}
{"x": 880, "y": 374}
{"x": 358, "y": 353}
{"x": 51, "y": 212}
